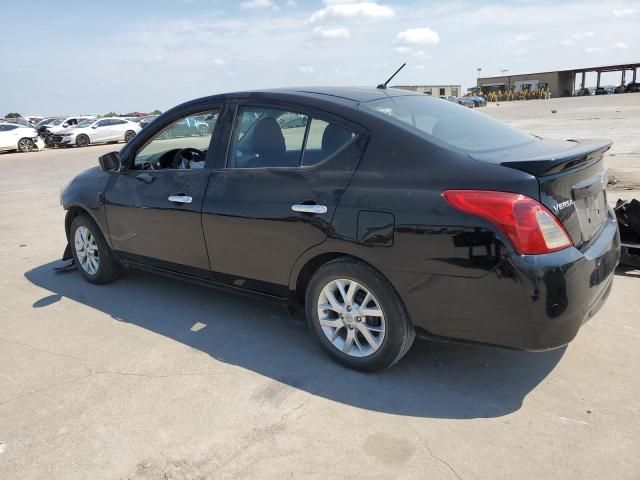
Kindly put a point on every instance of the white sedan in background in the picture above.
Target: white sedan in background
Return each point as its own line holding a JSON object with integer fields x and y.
{"x": 92, "y": 131}
{"x": 19, "y": 137}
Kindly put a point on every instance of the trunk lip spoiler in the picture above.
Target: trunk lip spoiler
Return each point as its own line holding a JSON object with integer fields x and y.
{"x": 583, "y": 153}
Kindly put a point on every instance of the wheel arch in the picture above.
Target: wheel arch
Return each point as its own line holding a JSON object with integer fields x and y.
{"x": 74, "y": 211}
{"x": 305, "y": 269}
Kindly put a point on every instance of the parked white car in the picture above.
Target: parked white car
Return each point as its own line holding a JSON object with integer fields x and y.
{"x": 18, "y": 137}
{"x": 96, "y": 131}
{"x": 61, "y": 125}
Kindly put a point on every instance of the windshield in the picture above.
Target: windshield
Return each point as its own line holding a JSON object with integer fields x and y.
{"x": 85, "y": 123}
{"x": 453, "y": 124}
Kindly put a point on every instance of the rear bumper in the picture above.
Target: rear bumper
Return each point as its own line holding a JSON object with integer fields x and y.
{"x": 534, "y": 302}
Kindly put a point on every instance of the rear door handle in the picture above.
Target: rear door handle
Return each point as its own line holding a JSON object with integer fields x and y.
{"x": 309, "y": 208}
{"x": 180, "y": 199}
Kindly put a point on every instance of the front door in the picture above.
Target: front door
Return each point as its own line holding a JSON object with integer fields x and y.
{"x": 100, "y": 131}
{"x": 276, "y": 195}
{"x": 154, "y": 206}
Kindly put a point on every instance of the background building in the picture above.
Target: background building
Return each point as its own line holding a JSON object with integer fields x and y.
{"x": 561, "y": 83}
{"x": 435, "y": 90}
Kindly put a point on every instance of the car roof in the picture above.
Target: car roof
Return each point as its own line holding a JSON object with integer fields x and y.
{"x": 354, "y": 94}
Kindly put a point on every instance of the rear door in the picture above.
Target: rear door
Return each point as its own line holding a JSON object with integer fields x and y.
{"x": 154, "y": 207}
{"x": 275, "y": 196}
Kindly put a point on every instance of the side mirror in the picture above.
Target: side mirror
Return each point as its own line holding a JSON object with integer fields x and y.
{"x": 94, "y": 126}
{"x": 110, "y": 162}
{"x": 65, "y": 125}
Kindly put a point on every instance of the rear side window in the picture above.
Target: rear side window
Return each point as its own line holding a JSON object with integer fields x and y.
{"x": 269, "y": 137}
{"x": 323, "y": 140}
{"x": 453, "y": 124}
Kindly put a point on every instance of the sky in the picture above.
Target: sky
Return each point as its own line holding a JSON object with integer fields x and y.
{"x": 79, "y": 57}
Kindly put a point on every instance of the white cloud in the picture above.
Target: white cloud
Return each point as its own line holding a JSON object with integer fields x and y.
{"x": 218, "y": 62}
{"x": 420, "y": 67}
{"x": 577, "y": 36}
{"x": 352, "y": 10}
{"x": 335, "y": 32}
{"x": 624, "y": 11}
{"x": 418, "y": 36}
{"x": 252, "y": 4}
{"x": 292, "y": 3}
{"x": 421, "y": 54}
{"x": 593, "y": 49}
{"x": 522, "y": 37}
{"x": 620, "y": 46}
{"x": 402, "y": 49}
{"x": 307, "y": 69}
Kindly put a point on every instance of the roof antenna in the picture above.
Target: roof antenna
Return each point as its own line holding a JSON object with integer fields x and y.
{"x": 384, "y": 85}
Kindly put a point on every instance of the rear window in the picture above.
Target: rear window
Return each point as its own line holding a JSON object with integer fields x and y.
{"x": 450, "y": 123}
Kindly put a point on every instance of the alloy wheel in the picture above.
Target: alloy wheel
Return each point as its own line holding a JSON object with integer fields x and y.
{"x": 351, "y": 317}
{"x": 87, "y": 250}
{"x": 25, "y": 145}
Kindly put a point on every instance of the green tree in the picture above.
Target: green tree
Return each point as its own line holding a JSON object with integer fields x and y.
{"x": 155, "y": 112}
{"x": 110, "y": 114}
{"x": 12, "y": 115}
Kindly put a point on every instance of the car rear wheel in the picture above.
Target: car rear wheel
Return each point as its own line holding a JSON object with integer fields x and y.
{"x": 92, "y": 255}
{"x": 357, "y": 315}
{"x": 129, "y": 134}
{"x": 82, "y": 140}
{"x": 25, "y": 145}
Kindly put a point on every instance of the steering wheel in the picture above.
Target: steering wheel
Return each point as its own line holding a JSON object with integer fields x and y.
{"x": 184, "y": 157}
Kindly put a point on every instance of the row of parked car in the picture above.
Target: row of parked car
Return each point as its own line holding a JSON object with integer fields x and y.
{"x": 629, "y": 88}
{"x": 27, "y": 134}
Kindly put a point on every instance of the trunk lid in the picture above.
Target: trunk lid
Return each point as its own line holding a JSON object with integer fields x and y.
{"x": 572, "y": 180}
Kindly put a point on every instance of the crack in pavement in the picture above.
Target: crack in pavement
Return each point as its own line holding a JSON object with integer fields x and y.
{"x": 424, "y": 443}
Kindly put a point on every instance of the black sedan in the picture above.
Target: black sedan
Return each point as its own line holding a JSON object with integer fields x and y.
{"x": 383, "y": 212}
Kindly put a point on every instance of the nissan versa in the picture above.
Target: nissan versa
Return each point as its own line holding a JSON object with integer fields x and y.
{"x": 384, "y": 212}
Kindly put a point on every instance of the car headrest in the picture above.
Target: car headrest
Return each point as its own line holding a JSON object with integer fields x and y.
{"x": 267, "y": 138}
{"x": 333, "y": 138}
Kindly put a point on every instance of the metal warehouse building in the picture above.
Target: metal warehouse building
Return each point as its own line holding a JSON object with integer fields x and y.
{"x": 560, "y": 83}
{"x": 435, "y": 90}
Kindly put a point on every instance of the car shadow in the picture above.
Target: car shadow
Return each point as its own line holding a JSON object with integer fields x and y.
{"x": 439, "y": 380}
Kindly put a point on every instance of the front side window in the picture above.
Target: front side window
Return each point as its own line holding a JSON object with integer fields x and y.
{"x": 183, "y": 144}
{"x": 453, "y": 124}
{"x": 270, "y": 137}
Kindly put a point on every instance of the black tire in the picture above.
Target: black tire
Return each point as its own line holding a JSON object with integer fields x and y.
{"x": 399, "y": 335}
{"x": 128, "y": 135}
{"x": 108, "y": 269}
{"x": 26, "y": 145}
{"x": 82, "y": 140}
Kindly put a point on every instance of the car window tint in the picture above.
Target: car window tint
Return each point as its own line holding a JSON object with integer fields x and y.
{"x": 267, "y": 137}
{"x": 118, "y": 122}
{"x": 454, "y": 124}
{"x": 8, "y": 128}
{"x": 193, "y": 132}
{"x": 323, "y": 140}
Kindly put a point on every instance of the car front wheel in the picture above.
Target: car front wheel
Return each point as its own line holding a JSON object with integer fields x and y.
{"x": 91, "y": 253}
{"x": 357, "y": 315}
{"x": 26, "y": 145}
{"x": 82, "y": 140}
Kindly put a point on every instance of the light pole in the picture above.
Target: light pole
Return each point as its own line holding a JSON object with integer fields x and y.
{"x": 479, "y": 69}
{"x": 503, "y": 71}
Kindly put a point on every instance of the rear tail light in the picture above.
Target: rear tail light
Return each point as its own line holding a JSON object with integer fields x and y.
{"x": 531, "y": 228}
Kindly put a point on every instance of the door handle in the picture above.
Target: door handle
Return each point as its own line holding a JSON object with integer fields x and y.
{"x": 309, "y": 208}
{"x": 180, "y": 199}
